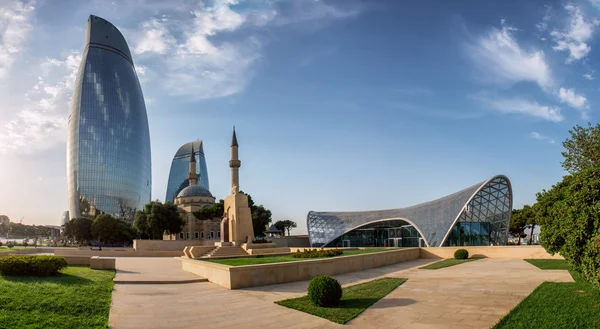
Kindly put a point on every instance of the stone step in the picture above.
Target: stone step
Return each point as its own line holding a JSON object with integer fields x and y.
{"x": 226, "y": 252}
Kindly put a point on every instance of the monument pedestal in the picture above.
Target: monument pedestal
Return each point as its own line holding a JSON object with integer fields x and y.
{"x": 223, "y": 244}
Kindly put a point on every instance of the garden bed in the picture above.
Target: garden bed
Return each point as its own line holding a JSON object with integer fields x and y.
{"x": 355, "y": 299}
{"x": 241, "y": 261}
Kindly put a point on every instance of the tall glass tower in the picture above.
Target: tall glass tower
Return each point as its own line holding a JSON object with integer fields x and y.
{"x": 108, "y": 146}
{"x": 178, "y": 175}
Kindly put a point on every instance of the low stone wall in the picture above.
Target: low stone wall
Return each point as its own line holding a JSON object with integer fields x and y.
{"x": 102, "y": 263}
{"x": 13, "y": 252}
{"x": 117, "y": 253}
{"x": 169, "y": 245}
{"x": 235, "y": 277}
{"x": 77, "y": 260}
{"x": 522, "y": 252}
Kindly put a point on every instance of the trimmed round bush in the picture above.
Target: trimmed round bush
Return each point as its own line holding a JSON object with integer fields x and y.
{"x": 461, "y": 254}
{"x": 324, "y": 291}
{"x": 31, "y": 265}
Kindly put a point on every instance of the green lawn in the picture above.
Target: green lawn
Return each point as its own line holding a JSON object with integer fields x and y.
{"x": 549, "y": 264}
{"x": 355, "y": 299}
{"x": 280, "y": 259}
{"x": 447, "y": 262}
{"x": 78, "y": 298}
{"x": 556, "y": 304}
{"x": 7, "y": 249}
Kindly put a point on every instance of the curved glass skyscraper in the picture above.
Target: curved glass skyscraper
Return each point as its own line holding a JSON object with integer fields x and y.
{"x": 108, "y": 146}
{"x": 180, "y": 167}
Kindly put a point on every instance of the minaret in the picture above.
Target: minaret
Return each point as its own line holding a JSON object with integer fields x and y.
{"x": 234, "y": 164}
{"x": 192, "y": 176}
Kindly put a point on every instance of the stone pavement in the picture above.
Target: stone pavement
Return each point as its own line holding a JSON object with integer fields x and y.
{"x": 471, "y": 295}
{"x": 152, "y": 271}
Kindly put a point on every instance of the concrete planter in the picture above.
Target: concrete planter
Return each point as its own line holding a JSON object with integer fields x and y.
{"x": 236, "y": 277}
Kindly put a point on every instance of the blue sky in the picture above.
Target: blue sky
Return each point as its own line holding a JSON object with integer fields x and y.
{"x": 338, "y": 105}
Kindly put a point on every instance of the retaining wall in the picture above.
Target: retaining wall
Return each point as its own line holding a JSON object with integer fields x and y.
{"x": 169, "y": 245}
{"x": 235, "y": 277}
{"x": 113, "y": 252}
{"x": 522, "y": 252}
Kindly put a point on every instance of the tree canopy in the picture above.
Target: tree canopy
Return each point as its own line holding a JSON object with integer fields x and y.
{"x": 157, "y": 218}
{"x": 215, "y": 211}
{"x": 79, "y": 229}
{"x": 105, "y": 228}
{"x": 582, "y": 148}
{"x": 285, "y": 225}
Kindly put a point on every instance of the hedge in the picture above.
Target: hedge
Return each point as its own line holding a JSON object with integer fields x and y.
{"x": 31, "y": 265}
{"x": 316, "y": 253}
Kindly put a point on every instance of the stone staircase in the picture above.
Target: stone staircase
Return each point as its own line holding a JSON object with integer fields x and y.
{"x": 223, "y": 252}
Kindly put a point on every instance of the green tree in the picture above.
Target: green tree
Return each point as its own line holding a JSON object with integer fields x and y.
{"x": 582, "y": 148}
{"x": 105, "y": 228}
{"x": 569, "y": 215}
{"x": 285, "y": 225}
{"x": 82, "y": 229}
{"x": 261, "y": 216}
{"x": 279, "y": 225}
{"x": 520, "y": 220}
{"x": 215, "y": 211}
{"x": 126, "y": 232}
{"x": 157, "y": 218}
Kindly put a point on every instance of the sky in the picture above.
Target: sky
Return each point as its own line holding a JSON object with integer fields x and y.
{"x": 338, "y": 105}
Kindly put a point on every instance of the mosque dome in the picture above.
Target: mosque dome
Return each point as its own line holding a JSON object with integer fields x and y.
{"x": 194, "y": 190}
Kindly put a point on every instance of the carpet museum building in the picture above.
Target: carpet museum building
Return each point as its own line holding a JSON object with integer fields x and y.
{"x": 476, "y": 216}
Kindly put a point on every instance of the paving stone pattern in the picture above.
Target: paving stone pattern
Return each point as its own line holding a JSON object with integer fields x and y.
{"x": 471, "y": 295}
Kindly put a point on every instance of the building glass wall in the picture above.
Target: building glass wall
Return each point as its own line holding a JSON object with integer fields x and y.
{"x": 180, "y": 168}
{"x": 108, "y": 147}
{"x": 392, "y": 233}
{"x": 469, "y": 234}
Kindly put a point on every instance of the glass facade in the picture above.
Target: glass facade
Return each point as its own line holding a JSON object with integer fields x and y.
{"x": 180, "y": 168}
{"x": 477, "y": 215}
{"x": 108, "y": 146}
{"x": 389, "y": 233}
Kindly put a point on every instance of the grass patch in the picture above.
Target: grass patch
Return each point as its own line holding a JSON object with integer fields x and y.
{"x": 557, "y": 305}
{"x": 447, "y": 263}
{"x": 549, "y": 264}
{"x": 355, "y": 299}
{"x": 78, "y": 298}
{"x": 285, "y": 258}
{"x": 7, "y": 249}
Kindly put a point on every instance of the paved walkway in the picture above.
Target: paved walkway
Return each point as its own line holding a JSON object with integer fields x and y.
{"x": 152, "y": 270}
{"x": 471, "y": 295}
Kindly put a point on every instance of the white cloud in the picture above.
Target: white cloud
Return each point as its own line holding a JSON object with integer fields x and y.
{"x": 41, "y": 120}
{"x": 153, "y": 36}
{"x": 576, "y": 35}
{"x": 200, "y": 59}
{"x": 574, "y": 100}
{"x": 15, "y": 25}
{"x": 501, "y": 59}
{"x": 522, "y": 106}
{"x": 589, "y": 76}
{"x": 141, "y": 69}
{"x": 541, "y": 137}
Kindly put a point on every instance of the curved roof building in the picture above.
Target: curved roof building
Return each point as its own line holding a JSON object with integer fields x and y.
{"x": 178, "y": 175}
{"x": 477, "y": 215}
{"x": 108, "y": 146}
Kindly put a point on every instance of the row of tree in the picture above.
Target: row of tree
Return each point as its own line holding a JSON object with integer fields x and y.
{"x": 569, "y": 212}
{"x": 104, "y": 228}
{"x": 156, "y": 220}
{"x": 19, "y": 230}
